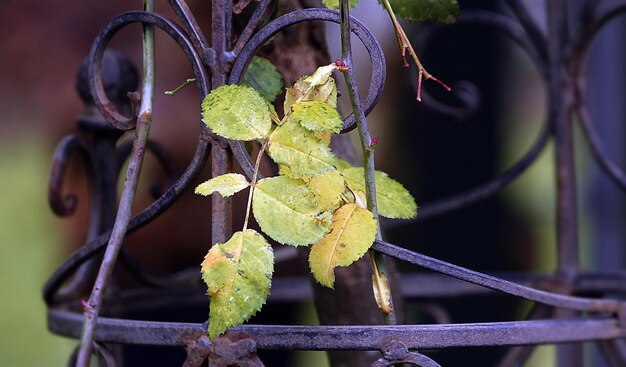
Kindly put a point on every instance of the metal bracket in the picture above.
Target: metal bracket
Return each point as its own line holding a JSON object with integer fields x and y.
{"x": 234, "y": 349}
{"x": 395, "y": 352}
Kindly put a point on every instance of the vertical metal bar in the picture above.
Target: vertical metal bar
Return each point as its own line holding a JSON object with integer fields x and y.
{"x": 561, "y": 97}
{"x": 221, "y": 29}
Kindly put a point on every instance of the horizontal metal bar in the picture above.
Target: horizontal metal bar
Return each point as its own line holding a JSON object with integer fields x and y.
{"x": 368, "y": 337}
{"x": 413, "y": 286}
{"x": 431, "y": 285}
{"x": 484, "y": 280}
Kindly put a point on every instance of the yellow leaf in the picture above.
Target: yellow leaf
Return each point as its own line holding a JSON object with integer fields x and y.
{"x": 394, "y": 201}
{"x": 237, "y": 113}
{"x": 294, "y": 146}
{"x": 342, "y": 165}
{"x": 227, "y": 185}
{"x": 352, "y": 233}
{"x": 318, "y": 87}
{"x": 317, "y": 116}
{"x": 288, "y": 212}
{"x": 328, "y": 188}
{"x": 238, "y": 274}
{"x": 324, "y": 137}
{"x": 284, "y": 170}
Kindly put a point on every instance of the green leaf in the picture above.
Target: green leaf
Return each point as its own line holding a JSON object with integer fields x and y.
{"x": 288, "y": 212}
{"x": 227, "y": 185}
{"x": 394, "y": 201}
{"x": 238, "y": 274}
{"x": 342, "y": 165}
{"x": 443, "y": 11}
{"x": 319, "y": 87}
{"x": 324, "y": 137}
{"x": 317, "y": 116}
{"x": 328, "y": 188}
{"x": 263, "y": 76}
{"x": 305, "y": 154}
{"x": 237, "y": 113}
{"x": 352, "y": 233}
{"x": 284, "y": 170}
{"x": 334, "y": 4}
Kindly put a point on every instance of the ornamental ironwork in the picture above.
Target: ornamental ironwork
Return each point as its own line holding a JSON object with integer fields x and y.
{"x": 559, "y": 314}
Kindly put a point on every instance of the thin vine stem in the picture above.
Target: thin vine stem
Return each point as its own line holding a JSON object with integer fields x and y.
{"x": 405, "y": 45}
{"x": 380, "y": 278}
{"x": 181, "y": 86}
{"x": 253, "y": 184}
{"x": 93, "y": 306}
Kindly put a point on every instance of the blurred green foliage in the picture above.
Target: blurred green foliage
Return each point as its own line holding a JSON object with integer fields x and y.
{"x": 30, "y": 250}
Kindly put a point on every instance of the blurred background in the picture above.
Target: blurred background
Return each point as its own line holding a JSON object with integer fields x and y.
{"x": 432, "y": 155}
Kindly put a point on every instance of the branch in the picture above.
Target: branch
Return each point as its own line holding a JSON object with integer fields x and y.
{"x": 94, "y": 304}
{"x": 381, "y": 284}
{"x": 405, "y": 45}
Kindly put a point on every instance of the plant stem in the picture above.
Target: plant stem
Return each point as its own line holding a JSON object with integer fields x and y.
{"x": 380, "y": 283}
{"x": 253, "y": 184}
{"x": 94, "y": 304}
{"x": 181, "y": 86}
{"x": 405, "y": 45}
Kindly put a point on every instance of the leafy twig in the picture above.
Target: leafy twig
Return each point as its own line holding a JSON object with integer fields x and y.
{"x": 381, "y": 285}
{"x": 93, "y": 305}
{"x": 405, "y": 45}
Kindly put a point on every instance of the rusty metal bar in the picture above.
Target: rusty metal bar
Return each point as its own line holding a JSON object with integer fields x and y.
{"x": 219, "y": 61}
{"x": 561, "y": 99}
{"x": 560, "y": 107}
{"x": 273, "y": 337}
{"x": 552, "y": 299}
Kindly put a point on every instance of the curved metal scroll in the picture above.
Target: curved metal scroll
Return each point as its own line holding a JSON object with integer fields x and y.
{"x": 64, "y": 205}
{"x": 108, "y": 110}
{"x": 537, "y": 53}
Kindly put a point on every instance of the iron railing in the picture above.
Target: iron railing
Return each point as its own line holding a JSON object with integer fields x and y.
{"x": 558, "y": 316}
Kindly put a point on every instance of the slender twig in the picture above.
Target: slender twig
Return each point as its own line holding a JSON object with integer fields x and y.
{"x": 405, "y": 45}
{"x": 380, "y": 278}
{"x": 94, "y": 304}
{"x": 181, "y": 86}
{"x": 253, "y": 184}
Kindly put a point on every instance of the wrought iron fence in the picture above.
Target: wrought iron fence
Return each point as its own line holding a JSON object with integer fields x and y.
{"x": 559, "y": 315}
